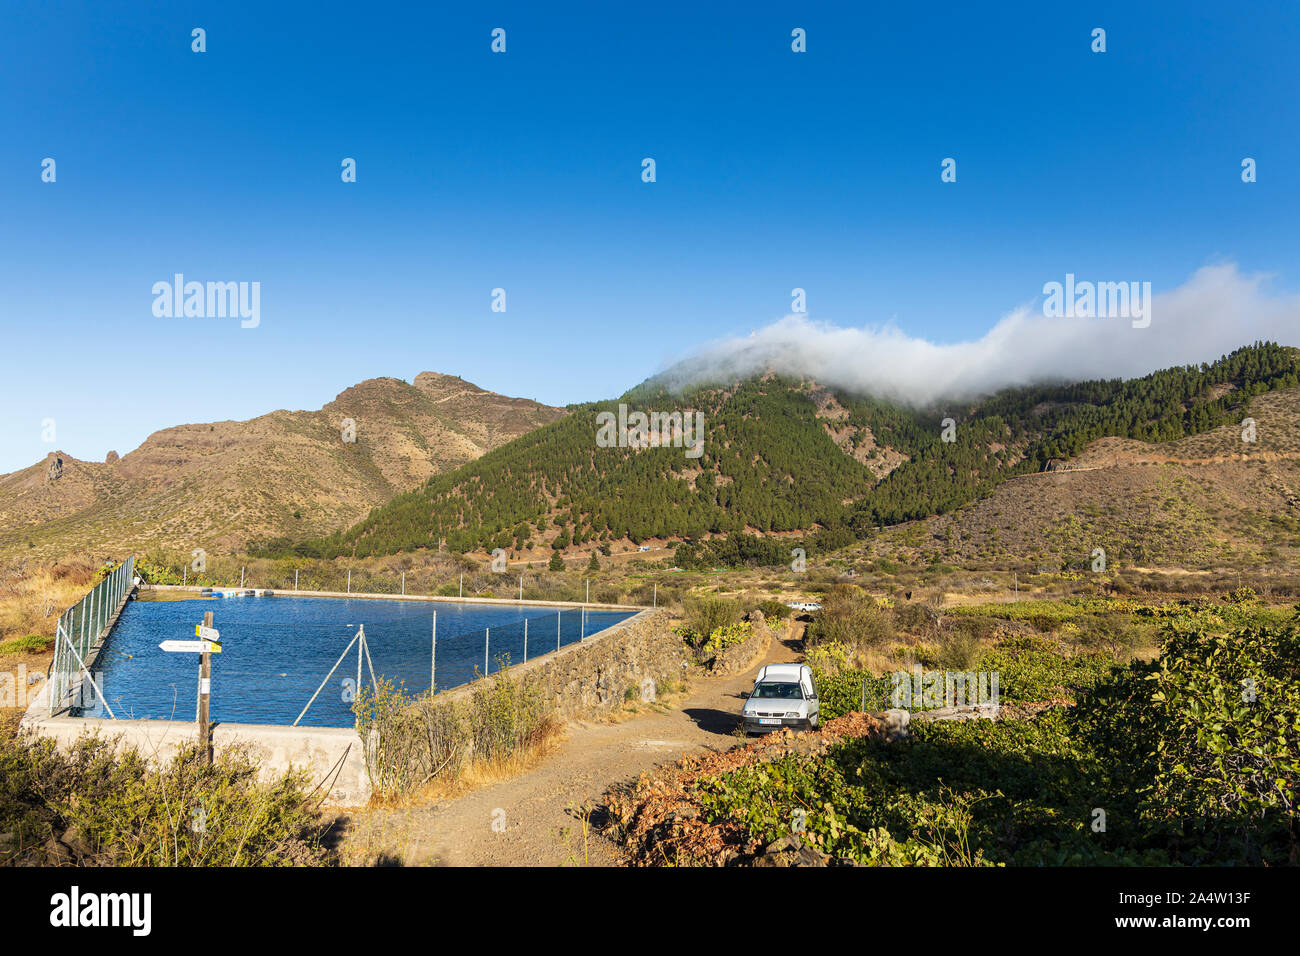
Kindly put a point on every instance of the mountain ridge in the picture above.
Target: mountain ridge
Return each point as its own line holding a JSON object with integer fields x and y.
{"x": 211, "y": 485}
{"x": 789, "y": 456}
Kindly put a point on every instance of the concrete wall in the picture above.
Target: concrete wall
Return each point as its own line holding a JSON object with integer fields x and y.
{"x": 332, "y": 756}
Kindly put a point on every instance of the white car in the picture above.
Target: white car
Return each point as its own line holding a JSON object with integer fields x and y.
{"x": 804, "y": 606}
{"x": 784, "y": 695}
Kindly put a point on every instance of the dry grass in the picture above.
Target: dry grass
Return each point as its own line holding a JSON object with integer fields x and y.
{"x": 31, "y": 599}
{"x": 478, "y": 774}
{"x": 33, "y": 596}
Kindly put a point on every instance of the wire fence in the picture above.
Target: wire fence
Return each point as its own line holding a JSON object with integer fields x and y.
{"x": 80, "y": 629}
{"x": 527, "y": 583}
{"x": 474, "y": 654}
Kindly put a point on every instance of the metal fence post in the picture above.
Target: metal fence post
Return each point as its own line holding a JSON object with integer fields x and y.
{"x": 486, "y": 638}
{"x": 525, "y": 640}
{"x": 433, "y": 657}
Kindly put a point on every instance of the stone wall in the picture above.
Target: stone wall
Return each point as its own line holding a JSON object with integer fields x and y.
{"x": 592, "y": 677}
{"x": 740, "y": 657}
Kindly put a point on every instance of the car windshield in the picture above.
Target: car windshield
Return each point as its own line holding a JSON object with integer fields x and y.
{"x": 770, "y": 690}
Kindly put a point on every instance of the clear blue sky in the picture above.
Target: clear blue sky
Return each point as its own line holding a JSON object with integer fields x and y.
{"x": 523, "y": 171}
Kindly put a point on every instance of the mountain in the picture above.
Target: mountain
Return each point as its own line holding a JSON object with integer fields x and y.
{"x": 786, "y": 457}
{"x": 1205, "y": 502}
{"x": 213, "y": 486}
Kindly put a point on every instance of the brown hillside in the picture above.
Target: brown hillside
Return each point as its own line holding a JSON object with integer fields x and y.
{"x": 213, "y": 486}
{"x": 1209, "y": 501}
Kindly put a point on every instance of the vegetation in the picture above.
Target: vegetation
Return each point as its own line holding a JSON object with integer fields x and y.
{"x": 771, "y": 466}
{"x": 412, "y": 741}
{"x": 1193, "y": 759}
{"x": 95, "y": 807}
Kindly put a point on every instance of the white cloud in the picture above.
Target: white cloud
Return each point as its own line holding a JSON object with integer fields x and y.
{"x": 1216, "y": 311}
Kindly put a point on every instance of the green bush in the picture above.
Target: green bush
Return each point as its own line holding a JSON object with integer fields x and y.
{"x": 723, "y": 637}
{"x": 849, "y": 616}
{"x": 773, "y": 610}
{"x": 1032, "y": 668}
{"x": 31, "y": 644}
{"x": 707, "y": 613}
{"x": 93, "y": 806}
{"x": 1208, "y": 739}
{"x": 841, "y": 693}
{"x": 1194, "y": 758}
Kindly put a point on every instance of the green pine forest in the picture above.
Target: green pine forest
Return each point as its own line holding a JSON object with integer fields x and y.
{"x": 769, "y": 464}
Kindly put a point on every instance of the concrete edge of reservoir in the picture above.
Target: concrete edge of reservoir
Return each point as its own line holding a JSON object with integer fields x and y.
{"x": 369, "y": 596}
{"x": 333, "y": 757}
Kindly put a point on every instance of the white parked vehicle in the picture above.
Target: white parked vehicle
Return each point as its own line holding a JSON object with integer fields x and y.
{"x": 804, "y": 606}
{"x": 784, "y": 695}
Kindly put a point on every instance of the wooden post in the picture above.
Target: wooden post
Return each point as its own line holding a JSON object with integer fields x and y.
{"x": 205, "y": 692}
{"x": 403, "y": 584}
{"x": 656, "y": 604}
{"x": 462, "y": 585}
{"x": 525, "y": 640}
{"x": 487, "y": 637}
{"x": 349, "y": 580}
{"x": 433, "y": 656}
{"x": 241, "y": 577}
{"x": 295, "y": 579}
{"x": 557, "y": 629}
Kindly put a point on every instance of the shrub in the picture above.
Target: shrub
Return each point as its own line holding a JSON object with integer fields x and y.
{"x": 707, "y": 613}
{"x": 409, "y": 741}
{"x": 1208, "y": 735}
{"x": 100, "y": 808}
{"x": 724, "y": 637}
{"x": 31, "y": 644}
{"x": 849, "y": 616}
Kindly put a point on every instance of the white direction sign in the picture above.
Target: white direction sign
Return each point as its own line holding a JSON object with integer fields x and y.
{"x": 207, "y": 633}
{"x": 191, "y": 647}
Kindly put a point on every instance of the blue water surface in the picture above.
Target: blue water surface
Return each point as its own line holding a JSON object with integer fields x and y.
{"x": 277, "y": 649}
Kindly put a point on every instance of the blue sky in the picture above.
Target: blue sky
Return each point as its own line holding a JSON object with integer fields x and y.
{"x": 522, "y": 171}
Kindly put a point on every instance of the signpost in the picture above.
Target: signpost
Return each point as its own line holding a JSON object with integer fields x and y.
{"x": 208, "y": 643}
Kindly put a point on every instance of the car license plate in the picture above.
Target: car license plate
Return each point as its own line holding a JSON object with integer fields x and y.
{"x": 770, "y": 720}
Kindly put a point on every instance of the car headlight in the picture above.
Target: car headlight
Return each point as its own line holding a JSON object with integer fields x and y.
{"x": 793, "y": 713}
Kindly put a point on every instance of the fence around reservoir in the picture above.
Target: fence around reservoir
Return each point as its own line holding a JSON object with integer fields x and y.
{"x": 78, "y": 634}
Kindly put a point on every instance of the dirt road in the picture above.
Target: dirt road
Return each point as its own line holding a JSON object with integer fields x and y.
{"x": 534, "y": 819}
